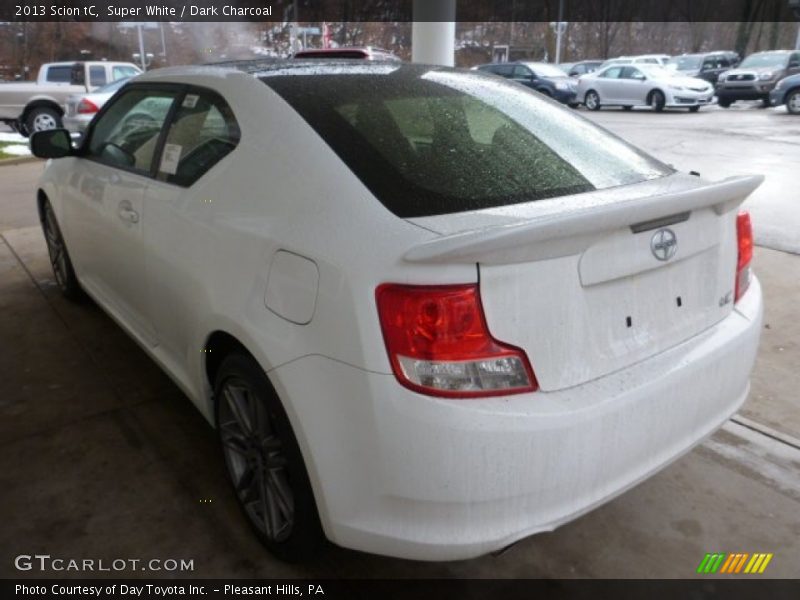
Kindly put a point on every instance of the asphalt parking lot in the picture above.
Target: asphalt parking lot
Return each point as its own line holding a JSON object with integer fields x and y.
{"x": 103, "y": 457}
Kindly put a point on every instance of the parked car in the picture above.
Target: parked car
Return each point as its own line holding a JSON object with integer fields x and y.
{"x": 708, "y": 66}
{"x": 81, "y": 108}
{"x": 565, "y": 66}
{"x": 642, "y": 85}
{"x": 787, "y": 91}
{"x": 362, "y": 53}
{"x": 641, "y": 59}
{"x": 583, "y": 67}
{"x": 545, "y": 78}
{"x": 756, "y": 76}
{"x": 545, "y": 315}
{"x": 35, "y": 106}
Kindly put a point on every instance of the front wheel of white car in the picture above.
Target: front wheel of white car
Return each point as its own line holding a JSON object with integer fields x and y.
{"x": 59, "y": 257}
{"x": 592, "y": 100}
{"x": 657, "y": 100}
{"x": 264, "y": 461}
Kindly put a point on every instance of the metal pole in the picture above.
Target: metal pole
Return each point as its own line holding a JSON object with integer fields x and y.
{"x": 559, "y": 30}
{"x": 433, "y": 32}
{"x": 797, "y": 41}
{"x": 141, "y": 47}
{"x": 163, "y": 43}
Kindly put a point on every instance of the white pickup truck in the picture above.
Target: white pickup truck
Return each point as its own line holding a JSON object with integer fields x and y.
{"x": 37, "y": 105}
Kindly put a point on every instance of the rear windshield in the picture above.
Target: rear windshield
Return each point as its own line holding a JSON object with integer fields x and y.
{"x": 436, "y": 141}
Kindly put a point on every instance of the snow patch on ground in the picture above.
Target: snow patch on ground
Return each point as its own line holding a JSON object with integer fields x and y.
{"x": 12, "y": 137}
{"x": 15, "y": 149}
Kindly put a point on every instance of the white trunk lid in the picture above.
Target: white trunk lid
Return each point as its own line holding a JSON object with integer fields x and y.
{"x": 581, "y": 289}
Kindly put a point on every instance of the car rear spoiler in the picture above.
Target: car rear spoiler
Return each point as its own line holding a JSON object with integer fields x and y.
{"x": 570, "y": 233}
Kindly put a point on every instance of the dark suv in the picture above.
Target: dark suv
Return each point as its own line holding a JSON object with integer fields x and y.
{"x": 708, "y": 66}
{"x": 542, "y": 77}
{"x": 755, "y": 78}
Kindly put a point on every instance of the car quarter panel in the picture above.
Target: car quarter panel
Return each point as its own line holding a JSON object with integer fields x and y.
{"x": 210, "y": 245}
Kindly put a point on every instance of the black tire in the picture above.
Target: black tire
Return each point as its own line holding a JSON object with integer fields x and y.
{"x": 591, "y": 100}
{"x": 627, "y": 108}
{"x": 793, "y": 102}
{"x": 573, "y": 104}
{"x": 724, "y": 103}
{"x": 545, "y": 92}
{"x": 657, "y": 100}
{"x": 279, "y": 507}
{"x": 42, "y": 119}
{"x": 694, "y": 109}
{"x": 59, "y": 256}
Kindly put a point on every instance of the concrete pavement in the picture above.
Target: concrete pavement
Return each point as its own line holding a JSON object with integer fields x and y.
{"x": 103, "y": 457}
{"x": 720, "y": 143}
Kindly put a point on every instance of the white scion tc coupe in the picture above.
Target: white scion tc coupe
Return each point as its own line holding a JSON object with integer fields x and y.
{"x": 429, "y": 311}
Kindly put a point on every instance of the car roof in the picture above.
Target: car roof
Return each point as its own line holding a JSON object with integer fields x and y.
{"x": 272, "y": 67}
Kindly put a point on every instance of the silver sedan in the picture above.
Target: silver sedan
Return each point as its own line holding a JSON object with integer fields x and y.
{"x": 81, "y": 108}
{"x": 642, "y": 85}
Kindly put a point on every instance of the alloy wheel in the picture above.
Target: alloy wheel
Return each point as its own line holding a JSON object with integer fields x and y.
{"x": 55, "y": 248}
{"x": 256, "y": 460}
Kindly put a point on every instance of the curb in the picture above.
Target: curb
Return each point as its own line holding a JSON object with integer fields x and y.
{"x": 9, "y": 162}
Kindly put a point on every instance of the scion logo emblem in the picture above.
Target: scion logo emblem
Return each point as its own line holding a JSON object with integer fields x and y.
{"x": 664, "y": 244}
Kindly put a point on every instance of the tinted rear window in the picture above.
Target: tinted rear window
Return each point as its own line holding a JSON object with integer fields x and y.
{"x": 438, "y": 141}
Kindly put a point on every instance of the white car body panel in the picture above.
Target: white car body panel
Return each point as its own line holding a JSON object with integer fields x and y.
{"x": 283, "y": 250}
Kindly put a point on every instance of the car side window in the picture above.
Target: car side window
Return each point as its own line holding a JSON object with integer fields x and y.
{"x": 203, "y": 131}
{"x": 59, "y": 74}
{"x": 612, "y": 73}
{"x": 631, "y": 73}
{"x": 127, "y": 133}
{"x": 504, "y": 70}
{"x": 97, "y": 75}
{"x": 120, "y": 72}
{"x": 521, "y": 72}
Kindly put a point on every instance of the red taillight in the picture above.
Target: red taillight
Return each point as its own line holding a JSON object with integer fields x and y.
{"x": 86, "y": 106}
{"x": 439, "y": 344}
{"x": 744, "y": 235}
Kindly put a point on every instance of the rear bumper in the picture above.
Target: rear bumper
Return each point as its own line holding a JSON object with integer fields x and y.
{"x": 406, "y": 475}
{"x": 77, "y": 123}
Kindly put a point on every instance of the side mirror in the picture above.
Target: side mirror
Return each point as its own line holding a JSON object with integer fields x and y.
{"x": 794, "y": 64}
{"x": 52, "y": 143}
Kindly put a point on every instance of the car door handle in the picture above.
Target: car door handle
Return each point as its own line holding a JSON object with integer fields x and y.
{"x": 128, "y": 214}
